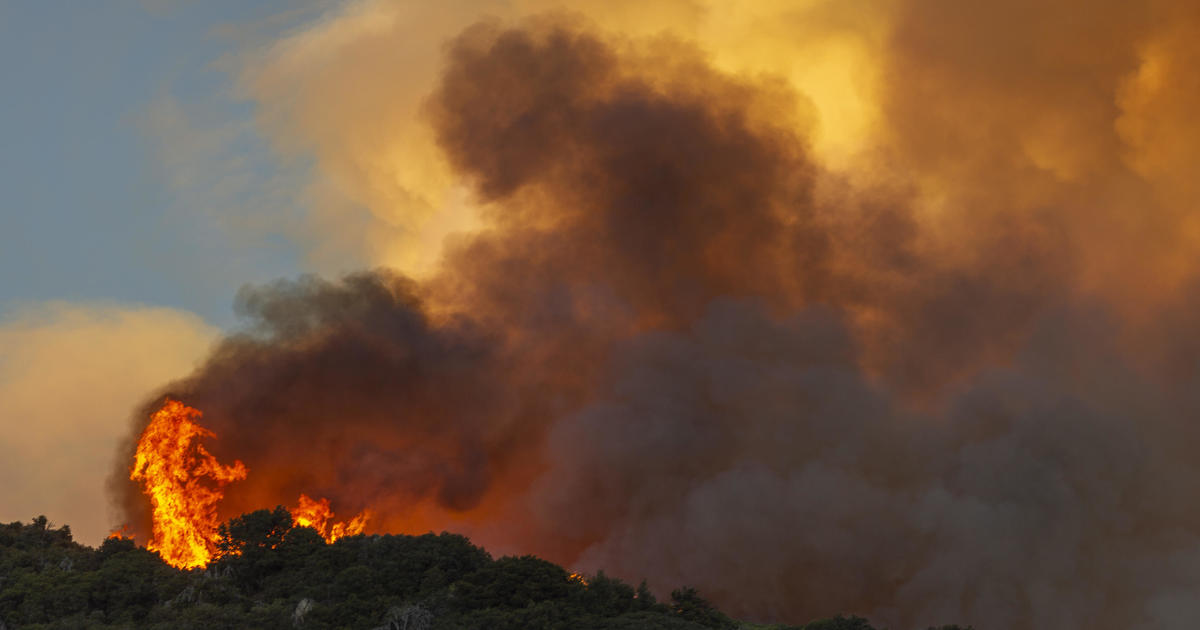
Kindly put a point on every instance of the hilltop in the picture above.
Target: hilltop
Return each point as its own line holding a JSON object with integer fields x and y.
{"x": 270, "y": 573}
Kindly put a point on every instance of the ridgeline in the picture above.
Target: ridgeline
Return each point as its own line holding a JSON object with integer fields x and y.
{"x": 272, "y": 574}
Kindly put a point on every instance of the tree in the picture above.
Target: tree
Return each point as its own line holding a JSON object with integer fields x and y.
{"x": 271, "y": 574}
{"x": 689, "y": 605}
{"x": 840, "y": 623}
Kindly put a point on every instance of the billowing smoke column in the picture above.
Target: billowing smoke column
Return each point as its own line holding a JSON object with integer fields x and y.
{"x": 668, "y": 357}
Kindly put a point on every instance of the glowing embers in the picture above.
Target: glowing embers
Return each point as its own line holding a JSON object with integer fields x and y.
{"x": 185, "y": 484}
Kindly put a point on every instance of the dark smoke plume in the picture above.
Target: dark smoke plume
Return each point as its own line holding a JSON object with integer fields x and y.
{"x": 665, "y": 358}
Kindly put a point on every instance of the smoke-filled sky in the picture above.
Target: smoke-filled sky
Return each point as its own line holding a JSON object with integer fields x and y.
{"x": 819, "y": 306}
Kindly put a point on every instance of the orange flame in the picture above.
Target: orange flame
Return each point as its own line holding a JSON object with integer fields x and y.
{"x": 184, "y": 483}
{"x": 121, "y": 533}
{"x": 317, "y": 515}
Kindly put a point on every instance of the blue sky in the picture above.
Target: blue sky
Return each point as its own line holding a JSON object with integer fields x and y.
{"x": 136, "y": 197}
{"x": 88, "y": 210}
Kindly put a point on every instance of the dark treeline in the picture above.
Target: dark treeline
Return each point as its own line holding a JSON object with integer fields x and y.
{"x": 274, "y": 575}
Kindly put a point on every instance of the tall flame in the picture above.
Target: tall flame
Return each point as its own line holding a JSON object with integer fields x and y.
{"x": 184, "y": 483}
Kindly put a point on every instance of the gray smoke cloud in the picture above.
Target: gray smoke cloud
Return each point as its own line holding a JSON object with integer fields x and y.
{"x": 751, "y": 456}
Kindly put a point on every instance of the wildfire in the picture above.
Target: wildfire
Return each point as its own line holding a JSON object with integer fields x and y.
{"x": 185, "y": 484}
{"x": 121, "y": 533}
{"x": 317, "y": 515}
{"x": 183, "y": 481}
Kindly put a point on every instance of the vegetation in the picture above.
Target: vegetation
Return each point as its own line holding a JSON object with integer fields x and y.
{"x": 271, "y": 574}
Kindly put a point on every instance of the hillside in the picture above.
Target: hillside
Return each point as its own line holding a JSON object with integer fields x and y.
{"x": 272, "y": 574}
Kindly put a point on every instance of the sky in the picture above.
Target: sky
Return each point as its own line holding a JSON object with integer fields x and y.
{"x": 125, "y": 150}
{"x": 616, "y": 281}
{"x": 91, "y": 209}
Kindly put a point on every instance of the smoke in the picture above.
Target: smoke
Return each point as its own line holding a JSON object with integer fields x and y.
{"x": 950, "y": 382}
